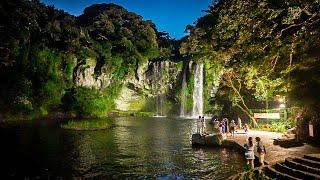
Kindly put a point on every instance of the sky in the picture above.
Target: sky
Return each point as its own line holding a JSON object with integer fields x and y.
{"x": 171, "y": 16}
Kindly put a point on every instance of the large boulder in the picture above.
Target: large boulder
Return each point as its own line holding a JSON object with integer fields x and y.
{"x": 207, "y": 140}
{"x": 197, "y": 139}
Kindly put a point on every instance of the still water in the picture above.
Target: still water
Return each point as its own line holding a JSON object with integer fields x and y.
{"x": 138, "y": 148}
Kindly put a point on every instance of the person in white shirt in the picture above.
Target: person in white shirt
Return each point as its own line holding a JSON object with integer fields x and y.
{"x": 199, "y": 123}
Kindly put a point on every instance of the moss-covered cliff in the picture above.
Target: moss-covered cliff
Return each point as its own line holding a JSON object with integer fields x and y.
{"x": 84, "y": 66}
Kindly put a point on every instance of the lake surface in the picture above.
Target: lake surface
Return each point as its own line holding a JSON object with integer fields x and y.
{"x": 138, "y": 148}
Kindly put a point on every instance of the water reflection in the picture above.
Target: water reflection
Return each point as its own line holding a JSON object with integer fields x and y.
{"x": 137, "y": 148}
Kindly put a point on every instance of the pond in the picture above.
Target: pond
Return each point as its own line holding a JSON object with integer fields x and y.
{"x": 137, "y": 148}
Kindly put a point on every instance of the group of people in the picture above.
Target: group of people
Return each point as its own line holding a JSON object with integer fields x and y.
{"x": 201, "y": 125}
{"x": 226, "y": 127}
{"x": 250, "y": 147}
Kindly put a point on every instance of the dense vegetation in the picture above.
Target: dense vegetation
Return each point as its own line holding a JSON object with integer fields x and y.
{"x": 45, "y": 52}
{"x": 258, "y": 52}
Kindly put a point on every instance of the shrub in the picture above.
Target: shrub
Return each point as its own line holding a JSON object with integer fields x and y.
{"x": 87, "y": 102}
{"x": 278, "y": 126}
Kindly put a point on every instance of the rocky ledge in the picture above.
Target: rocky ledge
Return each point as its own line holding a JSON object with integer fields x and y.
{"x": 207, "y": 140}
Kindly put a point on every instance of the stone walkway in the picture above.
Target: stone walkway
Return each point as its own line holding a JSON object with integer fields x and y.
{"x": 275, "y": 153}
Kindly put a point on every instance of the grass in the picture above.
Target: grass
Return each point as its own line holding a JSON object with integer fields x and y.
{"x": 273, "y": 126}
{"x": 130, "y": 113}
{"x": 88, "y": 125}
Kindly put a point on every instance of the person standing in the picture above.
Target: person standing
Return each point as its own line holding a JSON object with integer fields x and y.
{"x": 221, "y": 128}
{"x": 249, "y": 152}
{"x": 199, "y": 125}
{"x": 223, "y": 125}
{"x": 239, "y": 123}
{"x": 202, "y": 124}
{"x": 225, "y": 122}
{"x": 227, "y": 125}
{"x": 246, "y": 128}
{"x": 261, "y": 150}
{"x": 232, "y": 127}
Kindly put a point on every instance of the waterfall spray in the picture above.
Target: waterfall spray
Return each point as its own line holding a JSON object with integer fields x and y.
{"x": 157, "y": 87}
{"x": 197, "y": 109}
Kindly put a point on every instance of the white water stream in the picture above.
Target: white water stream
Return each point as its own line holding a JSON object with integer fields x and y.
{"x": 197, "y": 109}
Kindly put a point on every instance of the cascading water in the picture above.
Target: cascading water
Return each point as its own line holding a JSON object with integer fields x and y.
{"x": 157, "y": 87}
{"x": 183, "y": 93}
{"x": 197, "y": 109}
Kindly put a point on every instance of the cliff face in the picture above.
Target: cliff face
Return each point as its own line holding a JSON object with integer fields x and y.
{"x": 150, "y": 80}
{"x": 135, "y": 87}
{"x": 52, "y": 61}
{"x": 84, "y": 76}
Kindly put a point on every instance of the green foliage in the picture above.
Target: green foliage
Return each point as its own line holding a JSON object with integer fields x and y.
{"x": 180, "y": 65}
{"x": 68, "y": 64}
{"x": 88, "y": 125}
{"x": 270, "y": 46}
{"x": 278, "y": 126}
{"x": 87, "y": 102}
{"x": 213, "y": 77}
{"x": 43, "y": 50}
{"x": 50, "y": 88}
{"x": 135, "y": 114}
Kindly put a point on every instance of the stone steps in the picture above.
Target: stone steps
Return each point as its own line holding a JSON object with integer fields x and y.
{"x": 294, "y": 172}
{"x": 292, "y": 164}
{"x": 273, "y": 173}
{"x": 307, "y": 162}
{"x": 307, "y": 167}
{"x": 313, "y": 157}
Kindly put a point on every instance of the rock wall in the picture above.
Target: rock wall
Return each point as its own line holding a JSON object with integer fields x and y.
{"x": 84, "y": 76}
{"x": 137, "y": 87}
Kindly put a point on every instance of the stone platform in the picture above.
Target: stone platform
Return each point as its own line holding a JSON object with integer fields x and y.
{"x": 214, "y": 139}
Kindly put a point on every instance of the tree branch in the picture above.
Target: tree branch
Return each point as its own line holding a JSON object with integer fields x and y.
{"x": 300, "y": 24}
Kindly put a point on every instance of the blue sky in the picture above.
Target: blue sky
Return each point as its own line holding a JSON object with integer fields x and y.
{"x": 168, "y": 15}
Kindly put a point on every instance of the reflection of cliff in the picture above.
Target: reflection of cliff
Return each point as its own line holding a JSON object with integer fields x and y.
{"x": 157, "y": 141}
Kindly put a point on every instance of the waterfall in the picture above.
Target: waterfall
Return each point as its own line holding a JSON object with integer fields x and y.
{"x": 157, "y": 87}
{"x": 183, "y": 93}
{"x": 197, "y": 109}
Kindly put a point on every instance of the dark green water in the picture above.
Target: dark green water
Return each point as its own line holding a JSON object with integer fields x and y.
{"x": 138, "y": 148}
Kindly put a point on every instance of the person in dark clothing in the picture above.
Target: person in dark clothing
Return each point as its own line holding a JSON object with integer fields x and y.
{"x": 261, "y": 150}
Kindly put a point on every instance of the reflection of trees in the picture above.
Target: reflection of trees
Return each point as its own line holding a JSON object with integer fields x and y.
{"x": 143, "y": 147}
{"x": 95, "y": 153}
{"x": 150, "y": 140}
{"x": 86, "y": 158}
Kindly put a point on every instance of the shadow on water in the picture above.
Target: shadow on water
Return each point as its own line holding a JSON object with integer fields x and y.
{"x": 136, "y": 148}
